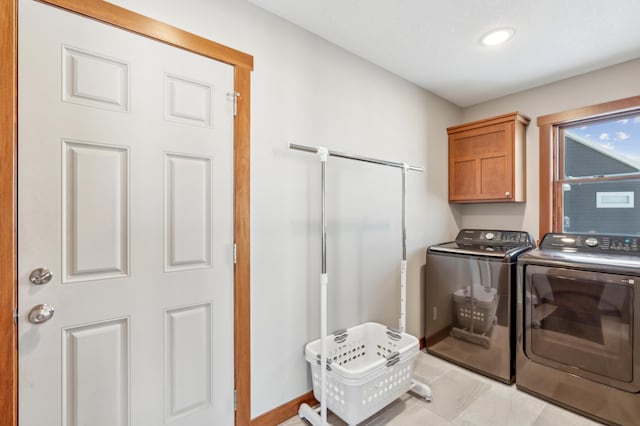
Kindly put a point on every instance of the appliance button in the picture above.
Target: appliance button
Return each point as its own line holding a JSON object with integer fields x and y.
{"x": 489, "y": 235}
{"x": 591, "y": 242}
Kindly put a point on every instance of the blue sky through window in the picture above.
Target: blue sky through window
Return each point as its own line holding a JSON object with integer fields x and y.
{"x": 620, "y": 136}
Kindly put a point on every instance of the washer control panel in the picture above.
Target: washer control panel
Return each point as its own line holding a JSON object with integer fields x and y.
{"x": 612, "y": 244}
{"x": 494, "y": 238}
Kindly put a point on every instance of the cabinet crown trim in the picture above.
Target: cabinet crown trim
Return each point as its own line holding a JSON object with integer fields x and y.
{"x": 512, "y": 116}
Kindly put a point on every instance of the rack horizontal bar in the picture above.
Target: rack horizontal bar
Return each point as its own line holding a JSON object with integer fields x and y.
{"x": 355, "y": 157}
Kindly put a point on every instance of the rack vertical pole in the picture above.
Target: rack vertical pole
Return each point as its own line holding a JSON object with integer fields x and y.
{"x": 403, "y": 262}
{"x": 324, "y": 280}
{"x": 305, "y": 411}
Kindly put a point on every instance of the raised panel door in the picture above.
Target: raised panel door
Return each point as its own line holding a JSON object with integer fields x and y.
{"x": 125, "y": 193}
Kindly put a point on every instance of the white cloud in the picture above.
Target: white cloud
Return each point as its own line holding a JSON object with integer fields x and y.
{"x": 608, "y": 145}
{"x": 604, "y": 136}
{"x": 636, "y": 120}
{"x": 623, "y": 121}
{"x": 622, "y": 135}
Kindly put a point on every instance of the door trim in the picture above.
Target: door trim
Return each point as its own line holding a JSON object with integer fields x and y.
{"x": 134, "y": 22}
{"x": 8, "y": 247}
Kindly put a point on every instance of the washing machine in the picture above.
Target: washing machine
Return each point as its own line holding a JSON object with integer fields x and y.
{"x": 578, "y": 331}
{"x": 470, "y": 289}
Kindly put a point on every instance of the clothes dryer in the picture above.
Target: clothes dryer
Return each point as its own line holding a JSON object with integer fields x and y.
{"x": 578, "y": 315}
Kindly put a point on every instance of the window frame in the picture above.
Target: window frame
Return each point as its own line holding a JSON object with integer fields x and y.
{"x": 551, "y": 156}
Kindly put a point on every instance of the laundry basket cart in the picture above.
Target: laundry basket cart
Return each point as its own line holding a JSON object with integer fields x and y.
{"x": 475, "y": 309}
{"x": 369, "y": 366}
{"x": 357, "y": 372}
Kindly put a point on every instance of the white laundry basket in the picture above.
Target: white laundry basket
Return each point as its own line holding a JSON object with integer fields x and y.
{"x": 370, "y": 365}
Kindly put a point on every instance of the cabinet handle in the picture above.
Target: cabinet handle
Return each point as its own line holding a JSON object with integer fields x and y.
{"x": 507, "y": 194}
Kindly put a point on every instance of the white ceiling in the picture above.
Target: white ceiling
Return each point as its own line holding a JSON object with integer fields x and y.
{"x": 435, "y": 44}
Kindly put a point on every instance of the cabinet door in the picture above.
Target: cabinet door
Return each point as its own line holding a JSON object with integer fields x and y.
{"x": 481, "y": 164}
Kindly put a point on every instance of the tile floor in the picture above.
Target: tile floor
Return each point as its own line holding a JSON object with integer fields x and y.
{"x": 463, "y": 398}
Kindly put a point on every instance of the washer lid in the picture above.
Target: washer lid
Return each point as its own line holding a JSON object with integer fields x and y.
{"x": 473, "y": 250}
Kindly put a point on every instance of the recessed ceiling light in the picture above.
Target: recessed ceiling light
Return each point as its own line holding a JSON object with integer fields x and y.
{"x": 497, "y": 37}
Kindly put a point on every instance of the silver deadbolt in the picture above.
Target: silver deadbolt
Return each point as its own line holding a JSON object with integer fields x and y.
{"x": 40, "y": 276}
{"x": 41, "y": 313}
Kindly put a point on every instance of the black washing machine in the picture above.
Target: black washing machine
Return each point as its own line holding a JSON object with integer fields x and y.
{"x": 470, "y": 300}
{"x": 578, "y": 330}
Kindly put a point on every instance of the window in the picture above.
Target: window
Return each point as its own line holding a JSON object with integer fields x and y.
{"x": 590, "y": 169}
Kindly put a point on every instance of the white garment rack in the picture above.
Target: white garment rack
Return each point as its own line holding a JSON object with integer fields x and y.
{"x": 421, "y": 389}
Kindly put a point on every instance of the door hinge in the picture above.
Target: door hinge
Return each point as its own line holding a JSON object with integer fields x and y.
{"x": 235, "y": 254}
{"x": 234, "y": 96}
{"x": 15, "y": 317}
{"x": 235, "y": 400}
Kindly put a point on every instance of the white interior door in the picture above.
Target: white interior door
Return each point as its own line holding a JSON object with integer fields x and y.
{"x": 125, "y": 195}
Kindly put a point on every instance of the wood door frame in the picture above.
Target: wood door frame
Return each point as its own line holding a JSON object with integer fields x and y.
{"x": 142, "y": 25}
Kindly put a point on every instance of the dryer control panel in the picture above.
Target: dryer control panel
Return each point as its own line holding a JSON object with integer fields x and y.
{"x": 594, "y": 243}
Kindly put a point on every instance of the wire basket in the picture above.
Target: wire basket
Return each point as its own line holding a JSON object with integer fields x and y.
{"x": 482, "y": 312}
{"x": 369, "y": 366}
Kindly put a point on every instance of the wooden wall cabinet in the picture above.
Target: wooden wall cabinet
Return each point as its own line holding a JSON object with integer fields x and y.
{"x": 487, "y": 160}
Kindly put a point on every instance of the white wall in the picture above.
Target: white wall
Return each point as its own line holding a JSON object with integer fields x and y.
{"x": 620, "y": 81}
{"x": 307, "y": 91}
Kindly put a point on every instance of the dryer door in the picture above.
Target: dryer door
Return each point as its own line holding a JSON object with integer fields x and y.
{"x": 581, "y": 322}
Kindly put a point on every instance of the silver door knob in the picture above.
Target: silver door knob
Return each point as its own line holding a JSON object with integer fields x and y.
{"x": 507, "y": 194}
{"x": 41, "y": 313}
{"x": 40, "y": 276}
